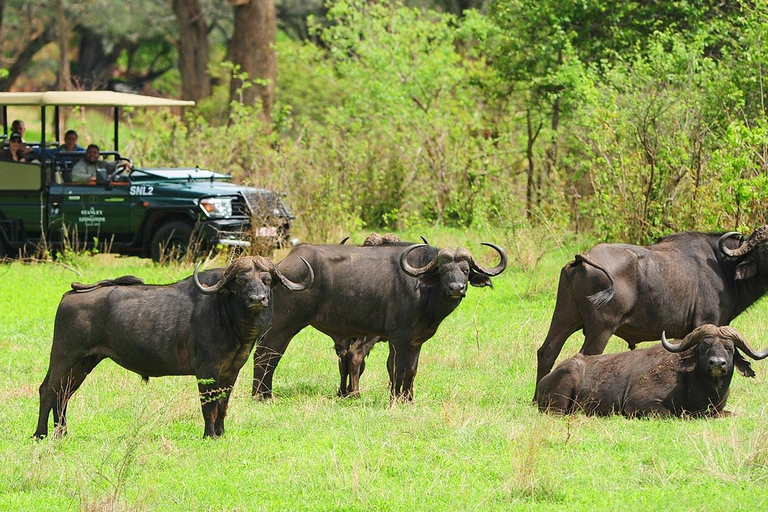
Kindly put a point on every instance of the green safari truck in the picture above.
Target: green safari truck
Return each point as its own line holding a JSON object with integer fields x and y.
{"x": 148, "y": 212}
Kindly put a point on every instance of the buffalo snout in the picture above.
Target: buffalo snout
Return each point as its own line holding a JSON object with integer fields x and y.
{"x": 457, "y": 289}
{"x": 257, "y": 301}
{"x": 718, "y": 366}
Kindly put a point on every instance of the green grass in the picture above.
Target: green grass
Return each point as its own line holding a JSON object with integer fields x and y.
{"x": 470, "y": 440}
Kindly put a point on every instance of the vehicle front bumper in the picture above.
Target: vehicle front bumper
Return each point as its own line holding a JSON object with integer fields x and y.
{"x": 238, "y": 232}
{"x": 235, "y": 232}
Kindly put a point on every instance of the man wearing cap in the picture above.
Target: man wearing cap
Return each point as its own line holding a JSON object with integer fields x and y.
{"x": 86, "y": 170}
{"x": 14, "y": 150}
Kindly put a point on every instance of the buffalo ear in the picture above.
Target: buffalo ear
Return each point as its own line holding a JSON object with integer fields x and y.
{"x": 479, "y": 280}
{"x": 688, "y": 361}
{"x": 747, "y": 269}
{"x": 429, "y": 279}
{"x": 742, "y": 365}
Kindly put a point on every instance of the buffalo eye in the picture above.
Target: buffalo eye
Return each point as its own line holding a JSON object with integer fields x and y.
{"x": 266, "y": 278}
{"x": 242, "y": 279}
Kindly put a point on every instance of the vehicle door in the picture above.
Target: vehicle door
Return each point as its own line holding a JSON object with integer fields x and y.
{"x": 89, "y": 211}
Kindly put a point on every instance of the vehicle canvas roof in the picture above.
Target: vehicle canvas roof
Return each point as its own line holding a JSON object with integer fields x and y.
{"x": 88, "y": 98}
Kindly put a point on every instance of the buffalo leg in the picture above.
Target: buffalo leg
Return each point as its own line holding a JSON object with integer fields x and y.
{"x": 267, "y": 356}
{"x": 359, "y": 351}
{"x": 227, "y": 385}
{"x": 210, "y": 393}
{"x": 356, "y": 363}
{"x": 411, "y": 366}
{"x": 402, "y": 363}
{"x": 566, "y": 320}
{"x": 342, "y": 346}
{"x": 59, "y": 385}
{"x": 595, "y": 343}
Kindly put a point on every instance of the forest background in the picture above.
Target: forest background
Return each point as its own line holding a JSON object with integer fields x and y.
{"x": 620, "y": 120}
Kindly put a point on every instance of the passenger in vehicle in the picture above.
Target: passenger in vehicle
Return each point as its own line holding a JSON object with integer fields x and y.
{"x": 18, "y": 126}
{"x": 14, "y": 150}
{"x": 86, "y": 170}
{"x": 70, "y": 146}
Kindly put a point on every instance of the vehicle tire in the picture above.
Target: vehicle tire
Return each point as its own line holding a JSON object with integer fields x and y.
{"x": 171, "y": 241}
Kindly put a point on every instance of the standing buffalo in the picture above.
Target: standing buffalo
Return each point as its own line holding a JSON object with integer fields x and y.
{"x": 690, "y": 378}
{"x": 185, "y": 328}
{"x": 398, "y": 293}
{"x": 353, "y": 351}
{"x": 683, "y": 281}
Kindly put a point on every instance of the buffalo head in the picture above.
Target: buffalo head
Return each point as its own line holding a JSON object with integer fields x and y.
{"x": 754, "y": 252}
{"x": 453, "y": 269}
{"x": 252, "y": 278}
{"x": 716, "y": 352}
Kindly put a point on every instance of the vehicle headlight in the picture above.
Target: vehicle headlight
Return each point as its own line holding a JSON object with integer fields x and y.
{"x": 217, "y": 206}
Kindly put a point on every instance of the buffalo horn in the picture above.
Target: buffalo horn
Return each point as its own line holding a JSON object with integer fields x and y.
{"x": 290, "y": 285}
{"x": 490, "y": 272}
{"x": 411, "y": 271}
{"x": 741, "y": 343}
{"x": 235, "y": 268}
{"x": 759, "y": 236}
{"x": 344, "y": 240}
{"x": 693, "y": 338}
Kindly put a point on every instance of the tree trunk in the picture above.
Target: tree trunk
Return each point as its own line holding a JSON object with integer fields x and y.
{"x": 252, "y": 49}
{"x": 530, "y": 186}
{"x": 194, "y": 51}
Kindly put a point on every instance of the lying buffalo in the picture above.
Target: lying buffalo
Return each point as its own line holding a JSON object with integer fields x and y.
{"x": 394, "y": 292}
{"x": 690, "y": 378}
{"x": 185, "y": 328}
{"x": 683, "y": 281}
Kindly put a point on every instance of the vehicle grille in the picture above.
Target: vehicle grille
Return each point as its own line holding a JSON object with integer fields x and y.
{"x": 264, "y": 205}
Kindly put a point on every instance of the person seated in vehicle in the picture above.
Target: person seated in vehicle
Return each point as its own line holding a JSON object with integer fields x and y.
{"x": 70, "y": 146}
{"x": 87, "y": 169}
{"x": 18, "y": 126}
{"x": 14, "y": 151}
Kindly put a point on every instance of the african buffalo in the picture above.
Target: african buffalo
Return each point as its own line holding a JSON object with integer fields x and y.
{"x": 352, "y": 352}
{"x": 185, "y": 328}
{"x": 690, "y": 378}
{"x": 683, "y": 281}
{"x": 398, "y": 293}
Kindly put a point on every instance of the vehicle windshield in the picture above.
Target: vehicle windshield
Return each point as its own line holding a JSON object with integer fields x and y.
{"x": 191, "y": 173}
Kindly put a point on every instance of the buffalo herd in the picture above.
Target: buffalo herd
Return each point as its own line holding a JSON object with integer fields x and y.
{"x": 688, "y": 286}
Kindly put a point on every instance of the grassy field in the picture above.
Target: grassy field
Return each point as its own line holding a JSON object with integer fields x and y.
{"x": 470, "y": 440}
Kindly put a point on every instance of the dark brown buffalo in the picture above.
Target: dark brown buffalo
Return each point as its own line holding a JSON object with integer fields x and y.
{"x": 690, "y": 378}
{"x": 397, "y": 293}
{"x": 635, "y": 292}
{"x": 185, "y": 328}
{"x": 352, "y": 352}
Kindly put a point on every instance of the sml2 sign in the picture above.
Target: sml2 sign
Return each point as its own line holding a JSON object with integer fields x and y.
{"x": 142, "y": 190}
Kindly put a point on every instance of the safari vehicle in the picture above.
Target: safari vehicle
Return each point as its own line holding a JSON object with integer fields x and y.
{"x": 149, "y": 212}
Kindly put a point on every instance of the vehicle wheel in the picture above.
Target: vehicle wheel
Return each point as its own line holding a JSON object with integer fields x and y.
{"x": 171, "y": 241}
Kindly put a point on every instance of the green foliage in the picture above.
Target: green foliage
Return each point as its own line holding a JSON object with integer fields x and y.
{"x": 627, "y": 121}
{"x": 740, "y": 190}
